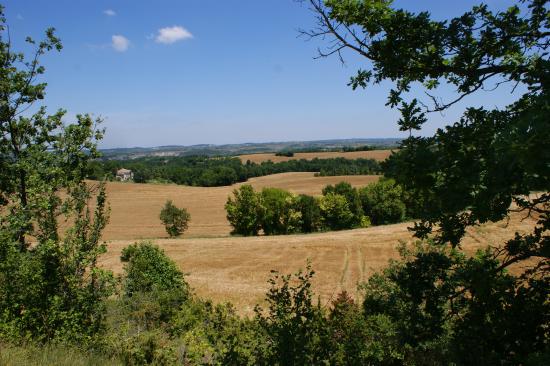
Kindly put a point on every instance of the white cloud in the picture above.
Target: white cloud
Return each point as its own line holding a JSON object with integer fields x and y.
{"x": 109, "y": 12}
{"x": 120, "y": 43}
{"x": 19, "y": 17}
{"x": 172, "y": 34}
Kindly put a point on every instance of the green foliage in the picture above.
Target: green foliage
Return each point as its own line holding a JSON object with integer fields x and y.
{"x": 244, "y": 211}
{"x": 382, "y": 202}
{"x": 281, "y": 215}
{"x": 308, "y": 206}
{"x": 358, "y": 339}
{"x": 53, "y": 288}
{"x": 295, "y": 329}
{"x": 464, "y": 51}
{"x": 335, "y": 212}
{"x": 445, "y": 307}
{"x": 279, "y": 212}
{"x": 175, "y": 220}
{"x": 217, "y": 334}
{"x": 352, "y": 197}
{"x": 147, "y": 268}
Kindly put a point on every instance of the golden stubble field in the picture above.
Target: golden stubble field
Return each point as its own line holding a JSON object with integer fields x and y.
{"x": 135, "y": 208}
{"x": 236, "y": 269}
{"x": 379, "y": 155}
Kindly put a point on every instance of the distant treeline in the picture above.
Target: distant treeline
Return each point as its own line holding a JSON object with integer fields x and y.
{"x": 314, "y": 149}
{"x": 210, "y": 172}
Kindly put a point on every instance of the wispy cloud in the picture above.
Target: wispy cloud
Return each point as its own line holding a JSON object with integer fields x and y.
{"x": 173, "y": 34}
{"x": 109, "y": 12}
{"x": 19, "y": 17}
{"x": 120, "y": 43}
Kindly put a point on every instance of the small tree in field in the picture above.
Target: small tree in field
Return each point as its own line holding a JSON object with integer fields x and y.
{"x": 175, "y": 220}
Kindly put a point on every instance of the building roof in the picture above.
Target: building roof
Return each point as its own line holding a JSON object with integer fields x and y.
{"x": 123, "y": 171}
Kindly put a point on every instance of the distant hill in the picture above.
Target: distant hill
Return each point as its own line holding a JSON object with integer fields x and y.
{"x": 248, "y": 148}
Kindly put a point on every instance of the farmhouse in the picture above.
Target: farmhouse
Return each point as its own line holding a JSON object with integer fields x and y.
{"x": 124, "y": 175}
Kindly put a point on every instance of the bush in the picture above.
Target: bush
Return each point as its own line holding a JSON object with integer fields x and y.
{"x": 296, "y": 330}
{"x": 244, "y": 211}
{"x": 175, "y": 220}
{"x": 280, "y": 215}
{"x": 55, "y": 290}
{"x": 148, "y": 268}
{"x": 383, "y": 202}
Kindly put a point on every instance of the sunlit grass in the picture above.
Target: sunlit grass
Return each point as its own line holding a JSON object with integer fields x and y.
{"x": 50, "y": 355}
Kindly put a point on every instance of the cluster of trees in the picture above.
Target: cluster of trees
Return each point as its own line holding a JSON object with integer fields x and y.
{"x": 275, "y": 211}
{"x": 288, "y": 154}
{"x": 206, "y": 171}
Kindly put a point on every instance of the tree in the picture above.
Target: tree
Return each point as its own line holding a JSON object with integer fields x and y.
{"x": 352, "y": 197}
{"x": 280, "y": 215}
{"x": 382, "y": 202}
{"x": 52, "y": 289}
{"x": 335, "y": 212}
{"x": 471, "y": 171}
{"x": 175, "y": 220}
{"x": 310, "y": 211}
{"x": 244, "y": 211}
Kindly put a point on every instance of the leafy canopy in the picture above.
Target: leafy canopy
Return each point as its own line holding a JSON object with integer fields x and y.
{"x": 483, "y": 167}
{"x": 175, "y": 219}
{"x": 52, "y": 288}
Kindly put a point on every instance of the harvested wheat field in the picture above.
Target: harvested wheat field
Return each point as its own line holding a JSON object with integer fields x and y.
{"x": 374, "y": 154}
{"x": 135, "y": 208}
{"x": 236, "y": 269}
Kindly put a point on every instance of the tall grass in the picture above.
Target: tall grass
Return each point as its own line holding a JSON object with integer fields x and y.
{"x": 54, "y": 355}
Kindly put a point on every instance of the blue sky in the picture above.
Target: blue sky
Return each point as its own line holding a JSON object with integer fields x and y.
{"x": 210, "y": 71}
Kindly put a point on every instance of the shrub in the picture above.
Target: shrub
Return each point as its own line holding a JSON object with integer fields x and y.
{"x": 358, "y": 340}
{"x": 216, "y": 335}
{"x": 175, "y": 220}
{"x": 382, "y": 202}
{"x": 148, "y": 268}
{"x": 295, "y": 329}
{"x": 244, "y": 211}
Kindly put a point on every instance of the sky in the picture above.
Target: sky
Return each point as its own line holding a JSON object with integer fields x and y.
{"x": 212, "y": 72}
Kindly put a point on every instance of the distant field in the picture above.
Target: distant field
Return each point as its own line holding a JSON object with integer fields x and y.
{"x": 236, "y": 269}
{"x": 135, "y": 207}
{"x": 374, "y": 154}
